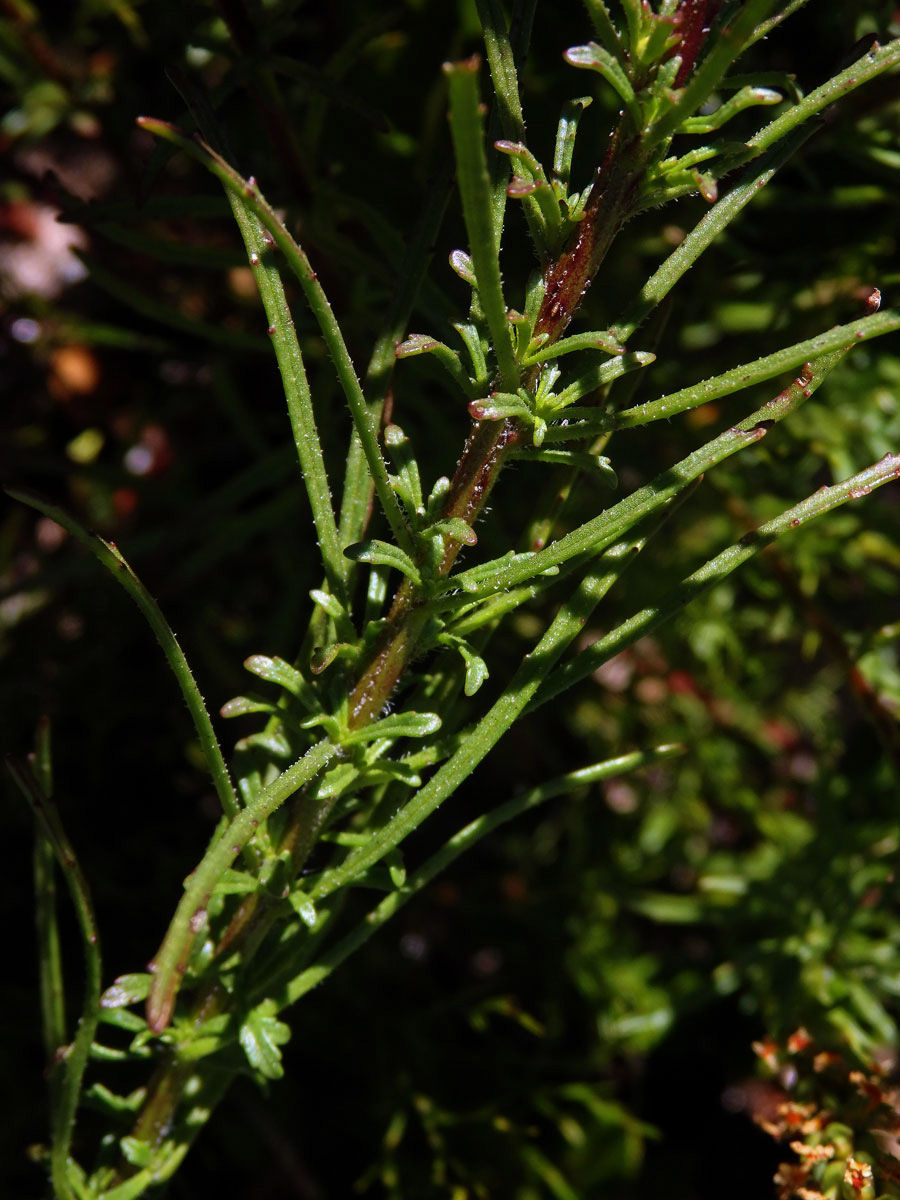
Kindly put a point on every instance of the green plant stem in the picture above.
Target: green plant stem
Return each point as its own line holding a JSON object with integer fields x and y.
{"x": 609, "y": 205}
{"x": 72, "y": 1060}
{"x": 189, "y": 919}
{"x": 53, "y": 1000}
{"x": 111, "y": 558}
{"x": 475, "y": 475}
{"x": 714, "y": 571}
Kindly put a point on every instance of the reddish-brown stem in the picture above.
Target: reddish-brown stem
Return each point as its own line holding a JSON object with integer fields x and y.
{"x": 475, "y": 475}
{"x": 607, "y": 209}
{"x": 693, "y": 21}
{"x": 566, "y": 282}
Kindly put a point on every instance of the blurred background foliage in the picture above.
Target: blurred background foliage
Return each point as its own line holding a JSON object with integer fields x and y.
{"x": 571, "y": 1011}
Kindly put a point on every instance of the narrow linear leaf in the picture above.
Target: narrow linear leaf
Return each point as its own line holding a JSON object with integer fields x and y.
{"x": 475, "y": 193}
{"x": 383, "y": 554}
{"x": 605, "y": 341}
{"x": 420, "y": 343}
{"x": 111, "y": 558}
{"x": 127, "y": 989}
{"x": 854, "y": 333}
{"x": 276, "y": 670}
{"x": 247, "y": 198}
{"x": 594, "y": 58}
{"x": 746, "y": 97}
{"x": 714, "y": 571}
{"x": 598, "y": 376}
{"x": 408, "y": 724}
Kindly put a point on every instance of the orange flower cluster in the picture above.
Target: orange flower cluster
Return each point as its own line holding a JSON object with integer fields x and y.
{"x": 846, "y": 1133}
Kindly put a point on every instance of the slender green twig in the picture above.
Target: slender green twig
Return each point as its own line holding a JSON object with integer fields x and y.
{"x": 53, "y": 1000}
{"x": 74, "y": 1058}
